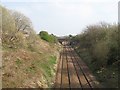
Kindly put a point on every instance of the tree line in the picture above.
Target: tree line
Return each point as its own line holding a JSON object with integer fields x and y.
{"x": 102, "y": 42}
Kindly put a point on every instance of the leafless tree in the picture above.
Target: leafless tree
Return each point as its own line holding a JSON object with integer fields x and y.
{"x": 22, "y": 22}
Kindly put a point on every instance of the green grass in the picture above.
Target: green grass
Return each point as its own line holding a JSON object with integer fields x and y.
{"x": 52, "y": 60}
{"x": 18, "y": 61}
{"x": 46, "y": 66}
{"x": 48, "y": 69}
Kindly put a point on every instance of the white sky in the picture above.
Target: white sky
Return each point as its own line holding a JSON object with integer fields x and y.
{"x": 64, "y": 17}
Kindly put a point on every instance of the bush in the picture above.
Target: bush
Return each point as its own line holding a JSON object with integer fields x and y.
{"x": 11, "y": 36}
{"x": 113, "y": 45}
{"x": 100, "y": 52}
{"x": 49, "y": 38}
{"x": 102, "y": 43}
{"x": 8, "y": 26}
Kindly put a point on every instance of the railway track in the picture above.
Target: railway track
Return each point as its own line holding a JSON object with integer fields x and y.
{"x": 72, "y": 72}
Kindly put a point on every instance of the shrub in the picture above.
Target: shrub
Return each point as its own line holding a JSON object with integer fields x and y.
{"x": 49, "y": 38}
{"x": 113, "y": 45}
{"x": 102, "y": 43}
{"x": 100, "y": 52}
{"x": 8, "y": 26}
{"x": 15, "y": 33}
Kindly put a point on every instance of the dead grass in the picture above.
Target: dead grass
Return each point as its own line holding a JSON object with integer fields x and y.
{"x": 29, "y": 69}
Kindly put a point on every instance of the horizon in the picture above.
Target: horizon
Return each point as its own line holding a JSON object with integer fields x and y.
{"x": 65, "y": 17}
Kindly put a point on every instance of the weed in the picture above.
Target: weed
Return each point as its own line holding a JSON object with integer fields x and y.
{"x": 18, "y": 61}
{"x": 31, "y": 69}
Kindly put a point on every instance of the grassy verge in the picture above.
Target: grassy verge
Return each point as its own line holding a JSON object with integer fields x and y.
{"x": 107, "y": 76}
{"x": 48, "y": 69}
{"x": 26, "y": 69}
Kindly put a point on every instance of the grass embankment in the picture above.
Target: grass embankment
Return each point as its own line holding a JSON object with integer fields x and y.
{"x": 24, "y": 68}
{"x": 107, "y": 76}
{"x": 28, "y": 61}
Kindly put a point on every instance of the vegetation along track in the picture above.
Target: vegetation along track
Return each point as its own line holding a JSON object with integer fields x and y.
{"x": 72, "y": 72}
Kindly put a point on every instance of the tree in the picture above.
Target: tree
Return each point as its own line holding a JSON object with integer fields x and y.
{"x": 8, "y": 25}
{"x": 21, "y": 21}
{"x": 15, "y": 28}
{"x": 102, "y": 42}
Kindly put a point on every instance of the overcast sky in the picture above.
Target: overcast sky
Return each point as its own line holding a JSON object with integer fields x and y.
{"x": 64, "y": 17}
